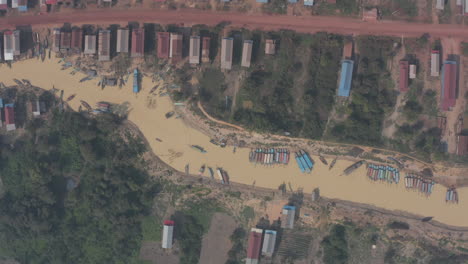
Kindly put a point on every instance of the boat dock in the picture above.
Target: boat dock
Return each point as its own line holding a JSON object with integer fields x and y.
{"x": 383, "y": 173}
{"x": 452, "y": 195}
{"x": 424, "y": 186}
{"x": 269, "y": 156}
{"x": 304, "y": 161}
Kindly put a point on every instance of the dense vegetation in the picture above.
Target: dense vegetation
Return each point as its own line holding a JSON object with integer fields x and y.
{"x": 292, "y": 91}
{"x": 335, "y": 246}
{"x": 75, "y": 192}
{"x": 372, "y": 94}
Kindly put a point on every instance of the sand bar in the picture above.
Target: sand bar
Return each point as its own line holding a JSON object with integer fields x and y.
{"x": 177, "y": 137}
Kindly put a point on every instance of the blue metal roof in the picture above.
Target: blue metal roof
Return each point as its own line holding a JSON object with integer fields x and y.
{"x": 292, "y": 1}
{"x": 308, "y": 2}
{"x": 262, "y": 1}
{"x": 22, "y": 8}
{"x": 290, "y": 207}
{"x": 270, "y": 232}
{"x": 225, "y": 0}
{"x": 345, "y": 78}
{"x": 1, "y": 102}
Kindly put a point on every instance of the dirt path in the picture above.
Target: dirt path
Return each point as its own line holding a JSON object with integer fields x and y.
{"x": 253, "y": 21}
{"x": 216, "y": 120}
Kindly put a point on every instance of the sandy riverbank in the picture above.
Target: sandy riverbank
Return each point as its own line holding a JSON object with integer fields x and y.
{"x": 177, "y": 137}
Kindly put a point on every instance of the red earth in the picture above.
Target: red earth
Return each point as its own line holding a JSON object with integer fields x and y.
{"x": 187, "y": 17}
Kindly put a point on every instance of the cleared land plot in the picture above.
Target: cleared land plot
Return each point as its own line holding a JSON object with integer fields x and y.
{"x": 152, "y": 252}
{"x": 216, "y": 242}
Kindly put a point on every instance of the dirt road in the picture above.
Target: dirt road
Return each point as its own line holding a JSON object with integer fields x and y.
{"x": 309, "y": 24}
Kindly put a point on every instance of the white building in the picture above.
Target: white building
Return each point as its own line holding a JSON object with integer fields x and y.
{"x": 168, "y": 233}
{"x": 269, "y": 241}
{"x": 194, "y": 54}
{"x": 226, "y": 53}
{"x": 247, "y": 53}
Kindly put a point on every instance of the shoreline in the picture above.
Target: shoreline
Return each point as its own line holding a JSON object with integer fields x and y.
{"x": 177, "y": 137}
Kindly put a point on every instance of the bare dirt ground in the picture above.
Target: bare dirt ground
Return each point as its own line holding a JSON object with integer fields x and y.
{"x": 216, "y": 242}
{"x": 253, "y": 21}
{"x": 451, "y": 48}
{"x": 389, "y": 127}
{"x": 152, "y": 252}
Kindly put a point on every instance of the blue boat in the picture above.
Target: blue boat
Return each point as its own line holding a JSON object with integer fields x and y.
{"x": 307, "y": 159}
{"x": 303, "y": 162}
{"x": 299, "y": 163}
{"x": 136, "y": 87}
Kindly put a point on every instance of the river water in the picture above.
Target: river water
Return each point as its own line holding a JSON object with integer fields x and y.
{"x": 177, "y": 137}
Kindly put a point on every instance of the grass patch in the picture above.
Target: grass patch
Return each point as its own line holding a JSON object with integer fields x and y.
{"x": 151, "y": 228}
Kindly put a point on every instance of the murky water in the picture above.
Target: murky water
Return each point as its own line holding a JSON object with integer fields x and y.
{"x": 177, "y": 137}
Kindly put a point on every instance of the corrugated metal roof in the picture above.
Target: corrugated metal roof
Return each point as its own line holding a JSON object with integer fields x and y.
{"x": 175, "y": 48}
{"x": 287, "y": 217}
{"x": 254, "y": 244}
{"x": 246, "y": 53}
{"x": 163, "y": 45}
{"x": 90, "y": 44}
{"x": 122, "y": 40}
{"x": 270, "y": 47}
{"x": 56, "y": 40}
{"x": 104, "y": 45}
{"x": 77, "y": 39}
{"x": 403, "y": 81}
{"x": 65, "y": 40}
{"x": 346, "y": 76}
{"x": 8, "y": 43}
{"x": 226, "y": 53}
{"x": 462, "y": 145}
{"x": 449, "y": 85}
{"x": 9, "y": 114}
{"x": 269, "y": 242}
{"x": 138, "y": 42}
{"x": 412, "y": 71}
{"x": 308, "y": 2}
{"x": 194, "y": 54}
{"x": 206, "y": 49}
{"x": 168, "y": 232}
{"x": 435, "y": 63}
{"x": 440, "y": 4}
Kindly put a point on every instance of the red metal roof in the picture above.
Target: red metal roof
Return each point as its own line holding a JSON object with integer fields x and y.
{"x": 51, "y": 2}
{"x": 8, "y": 32}
{"x": 76, "y": 39}
{"x": 65, "y": 40}
{"x": 449, "y": 87}
{"x": 9, "y": 115}
{"x": 3, "y": 7}
{"x": 163, "y": 45}
{"x": 462, "y": 146}
{"x": 138, "y": 42}
{"x": 255, "y": 241}
{"x": 169, "y": 222}
{"x": 403, "y": 82}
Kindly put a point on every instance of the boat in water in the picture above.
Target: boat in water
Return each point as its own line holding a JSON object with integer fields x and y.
{"x": 211, "y": 172}
{"x": 187, "y": 167}
{"x": 136, "y": 86}
{"x": 333, "y": 163}
{"x": 353, "y": 167}
{"x": 196, "y": 147}
{"x": 323, "y": 160}
{"x": 71, "y": 97}
{"x": 202, "y": 170}
{"x": 158, "y": 139}
{"x": 170, "y": 114}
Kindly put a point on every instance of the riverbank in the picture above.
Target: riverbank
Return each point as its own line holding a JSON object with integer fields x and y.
{"x": 177, "y": 137}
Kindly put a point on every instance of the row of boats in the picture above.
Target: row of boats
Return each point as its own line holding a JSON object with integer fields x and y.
{"x": 383, "y": 173}
{"x": 452, "y": 195}
{"x": 269, "y": 156}
{"x": 304, "y": 161}
{"x": 418, "y": 183}
{"x": 222, "y": 174}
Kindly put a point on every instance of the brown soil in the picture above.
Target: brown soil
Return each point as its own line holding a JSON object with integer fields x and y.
{"x": 254, "y": 21}
{"x": 152, "y": 252}
{"x": 216, "y": 242}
